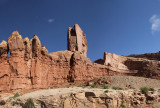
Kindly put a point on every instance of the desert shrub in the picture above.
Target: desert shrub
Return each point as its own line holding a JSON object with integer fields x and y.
{"x": 16, "y": 95}
{"x": 144, "y": 90}
{"x": 115, "y": 88}
{"x": 123, "y": 106}
{"x": 106, "y": 91}
{"x": 14, "y": 103}
{"x": 48, "y": 88}
{"x": 43, "y": 105}
{"x": 104, "y": 86}
{"x": 93, "y": 86}
{"x": 2, "y": 102}
{"x": 152, "y": 103}
{"x": 81, "y": 85}
{"x": 29, "y": 103}
{"x": 151, "y": 89}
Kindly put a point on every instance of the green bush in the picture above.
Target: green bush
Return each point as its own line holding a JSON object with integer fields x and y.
{"x": 16, "y": 95}
{"x": 152, "y": 103}
{"x": 123, "y": 106}
{"x": 144, "y": 90}
{"x": 93, "y": 86}
{"x": 106, "y": 91}
{"x": 104, "y": 86}
{"x": 14, "y": 103}
{"x": 116, "y": 88}
{"x": 29, "y": 103}
{"x": 80, "y": 85}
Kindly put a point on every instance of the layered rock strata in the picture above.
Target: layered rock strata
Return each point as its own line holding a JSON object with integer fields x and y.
{"x": 144, "y": 66}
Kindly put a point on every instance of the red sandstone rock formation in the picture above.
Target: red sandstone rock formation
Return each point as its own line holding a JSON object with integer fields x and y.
{"x": 77, "y": 40}
{"x": 135, "y": 66}
{"x": 115, "y": 61}
{"x": 4, "y": 67}
{"x": 30, "y": 66}
{"x": 3, "y": 51}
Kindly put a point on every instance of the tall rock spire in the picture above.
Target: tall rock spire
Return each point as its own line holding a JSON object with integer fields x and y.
{"x": 77, "y": 40}
{"x": 15, "y": 42}
{"x": 3, "y": 50}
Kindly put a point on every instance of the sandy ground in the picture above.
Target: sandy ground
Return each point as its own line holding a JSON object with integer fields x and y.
{"x": 135, "y": 82}
{"x": 131, "y": 82}
{"x": 58, "y": 91}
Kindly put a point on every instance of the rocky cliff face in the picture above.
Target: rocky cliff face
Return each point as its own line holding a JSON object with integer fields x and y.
{"x": 30, "y": 66}
{"x": 145, "y": 66}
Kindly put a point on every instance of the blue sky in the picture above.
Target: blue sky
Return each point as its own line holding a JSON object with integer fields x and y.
{"x": 117, "y": 26}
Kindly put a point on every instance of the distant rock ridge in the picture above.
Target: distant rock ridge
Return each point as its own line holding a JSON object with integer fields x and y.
{"x": 151, "y": 56}
{"x": 30, "y": 66}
